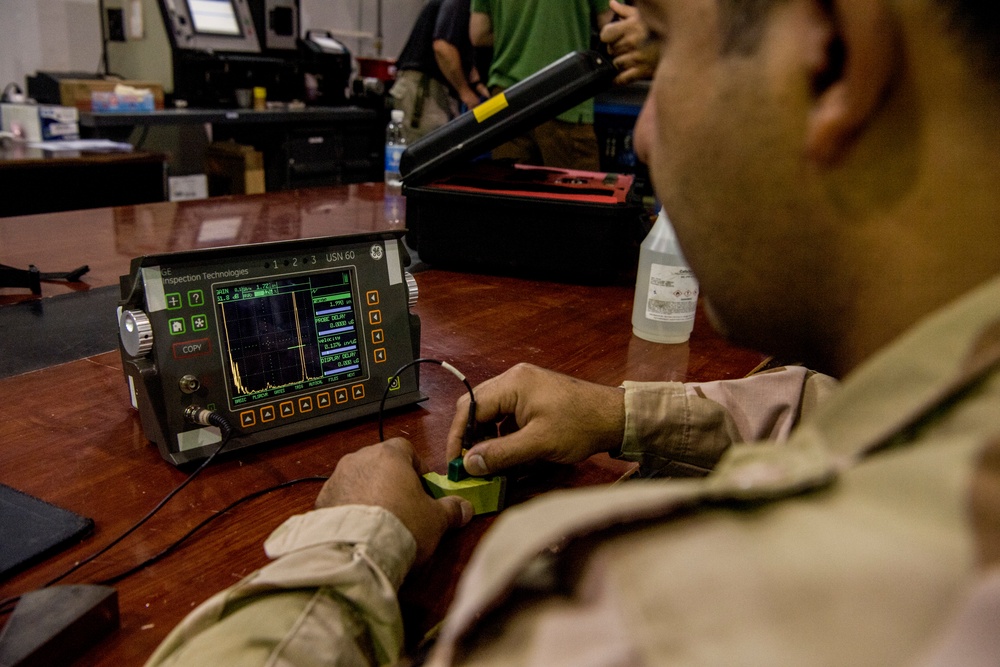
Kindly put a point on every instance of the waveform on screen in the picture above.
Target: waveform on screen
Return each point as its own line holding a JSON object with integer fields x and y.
{"x": 288, "y": 333}
{"x": 300, "y": 346}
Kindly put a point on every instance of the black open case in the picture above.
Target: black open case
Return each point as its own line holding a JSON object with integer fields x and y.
{"x": 472, "y": 214}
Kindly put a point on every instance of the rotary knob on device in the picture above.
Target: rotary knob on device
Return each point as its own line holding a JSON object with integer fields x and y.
{"x": 411, "y": 288}
{"x": 136, "y": 332}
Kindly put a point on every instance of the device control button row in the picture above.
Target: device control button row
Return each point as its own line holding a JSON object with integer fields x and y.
{"x": 305, "y": 404}
{"x": 175, "y": 300}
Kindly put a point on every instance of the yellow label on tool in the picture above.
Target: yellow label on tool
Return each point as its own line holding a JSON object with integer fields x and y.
{"x": 490, "y": 107}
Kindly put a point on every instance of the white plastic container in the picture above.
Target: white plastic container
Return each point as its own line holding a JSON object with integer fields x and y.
{"x": 666, "y": 291}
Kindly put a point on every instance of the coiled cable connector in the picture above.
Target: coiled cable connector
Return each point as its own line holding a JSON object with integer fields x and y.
{"x": 204, "y": 417}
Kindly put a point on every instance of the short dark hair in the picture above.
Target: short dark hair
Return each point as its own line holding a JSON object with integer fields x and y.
{"x": 975, "y": 23}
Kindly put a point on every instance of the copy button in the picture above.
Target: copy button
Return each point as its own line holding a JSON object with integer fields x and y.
{"x": 192, "y": 348}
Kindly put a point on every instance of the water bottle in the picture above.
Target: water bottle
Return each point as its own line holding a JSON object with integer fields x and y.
{"x": 395, "y": 144}
{"x": 666, "y": 291}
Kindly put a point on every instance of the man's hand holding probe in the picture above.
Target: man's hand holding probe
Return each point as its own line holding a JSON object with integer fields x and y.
{"x": 559, "y": 419}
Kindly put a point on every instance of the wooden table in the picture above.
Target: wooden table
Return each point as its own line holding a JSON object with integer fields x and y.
{"x": 70, "y": 436}
{"x": 34, "y": 180}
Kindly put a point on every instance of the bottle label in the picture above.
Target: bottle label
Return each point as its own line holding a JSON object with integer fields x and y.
{"x": 673, "y": 294}
{"x": 392, "y": 155}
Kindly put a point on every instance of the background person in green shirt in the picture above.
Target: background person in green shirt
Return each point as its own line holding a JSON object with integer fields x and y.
{"x": 527, "y": 35}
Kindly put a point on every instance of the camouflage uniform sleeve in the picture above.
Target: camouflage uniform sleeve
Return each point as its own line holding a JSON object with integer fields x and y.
{"x": 329, "y": 597}
{"x": 683, "y": 429}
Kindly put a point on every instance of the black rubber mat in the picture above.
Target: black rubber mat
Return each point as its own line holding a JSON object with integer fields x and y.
{"x": 33, "y": 529}
{"x": 54, "y": 330}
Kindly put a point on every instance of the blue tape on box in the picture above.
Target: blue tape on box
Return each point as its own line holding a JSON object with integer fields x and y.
{"x": 121, "y": 103}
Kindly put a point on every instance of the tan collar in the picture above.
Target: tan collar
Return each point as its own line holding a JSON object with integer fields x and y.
{"x": 906, "y": 382}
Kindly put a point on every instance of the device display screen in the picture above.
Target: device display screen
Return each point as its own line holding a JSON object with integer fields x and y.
{"x": 286, "y": 335}
{"x": 214, "y": 17}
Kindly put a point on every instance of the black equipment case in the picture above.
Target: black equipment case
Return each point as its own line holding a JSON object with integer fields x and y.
{"x": 499, "y": 217}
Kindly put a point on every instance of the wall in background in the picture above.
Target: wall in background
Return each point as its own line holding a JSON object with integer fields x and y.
{"x": 398, "y": 17}
{"x": 65, "y": 35}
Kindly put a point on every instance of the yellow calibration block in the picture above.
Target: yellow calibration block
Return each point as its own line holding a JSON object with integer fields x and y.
{"x": 485, "y": 493}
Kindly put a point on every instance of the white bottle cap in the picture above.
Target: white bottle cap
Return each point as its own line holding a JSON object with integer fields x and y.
{"x": 397, "y": 115}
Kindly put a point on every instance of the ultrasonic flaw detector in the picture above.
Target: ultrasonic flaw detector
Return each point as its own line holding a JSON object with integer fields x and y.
{"x": 279, "y": 338}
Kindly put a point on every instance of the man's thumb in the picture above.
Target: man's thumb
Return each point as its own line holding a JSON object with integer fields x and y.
{"x": 458, "y": 510}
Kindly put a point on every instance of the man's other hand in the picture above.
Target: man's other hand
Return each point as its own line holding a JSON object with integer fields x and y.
{"x": 387, "y": 475}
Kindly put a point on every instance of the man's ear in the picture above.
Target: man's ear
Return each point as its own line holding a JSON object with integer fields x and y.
{"x": 861, "y": 64}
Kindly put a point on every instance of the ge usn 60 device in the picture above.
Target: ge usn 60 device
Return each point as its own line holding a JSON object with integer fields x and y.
{"x": 279, "y": 338}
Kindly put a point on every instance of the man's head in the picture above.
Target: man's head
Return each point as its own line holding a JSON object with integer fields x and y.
{"x": 817, "y": 157}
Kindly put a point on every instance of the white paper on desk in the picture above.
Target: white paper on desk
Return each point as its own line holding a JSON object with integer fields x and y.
{"x": 81, "y": 145}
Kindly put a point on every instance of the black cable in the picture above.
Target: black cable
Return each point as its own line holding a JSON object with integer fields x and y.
{"x": 177, "y": 543}
{"x": 143, "y": 135}
{"x": 10, "y": 91}
{"x": 470, "y": 425}
{"x": 198, "y": 415}
{"x": 104, "y": 36}
{"x": 205, "y": 417}
{"x": 194, "y": 414}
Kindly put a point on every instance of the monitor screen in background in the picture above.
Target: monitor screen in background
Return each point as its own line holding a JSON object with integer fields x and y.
{"x": 214, "y": 17}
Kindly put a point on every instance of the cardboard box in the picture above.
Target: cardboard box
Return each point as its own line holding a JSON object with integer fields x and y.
{"x": 234, "y": 169}
{"x": 40, "y": 122}
{"x": 79, "y": 92}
